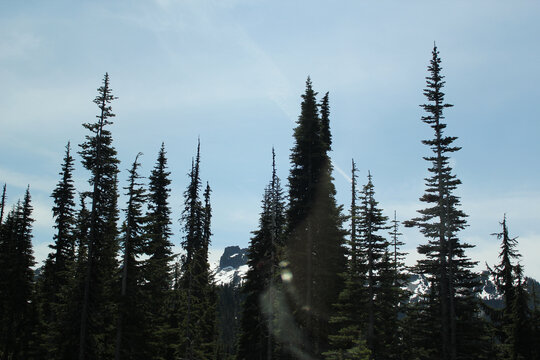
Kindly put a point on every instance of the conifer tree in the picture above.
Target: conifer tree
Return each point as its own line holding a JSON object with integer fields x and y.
{"x": 374, "y": 245}
{"x": 2, "y": 205}
{"x": 196, "y": 341}
{"x": 326, "y": 136}
{"x": 56, "y": 271}
{"x": 348, "y": 336}
{"x": 315, "y": 236}
{"x": 504, "y": 276}
{"x": 98, "y": 305}
{"x": 504, "y": 271}
{"x": 392, "y": 299}
{"x": 396, "y": 244}
{"x": 17, "y": 285}
{"x": 445, "y": 263}
{"x": 64, "y": 213}
{"x": 209, "y": 303}
{"x": 64, "y": 332}
{"x": 535, "y": 319}
{"x": 157, "y": 267}
{"x": 257, "y": 322}
{"x": 132, "y": 330}
{"x": 520, "y": 338}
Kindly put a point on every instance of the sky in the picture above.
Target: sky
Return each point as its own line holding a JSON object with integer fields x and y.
{"x": 232, "y": 72}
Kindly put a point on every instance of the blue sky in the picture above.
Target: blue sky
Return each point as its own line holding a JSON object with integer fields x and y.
{"x": 232, "y": 72}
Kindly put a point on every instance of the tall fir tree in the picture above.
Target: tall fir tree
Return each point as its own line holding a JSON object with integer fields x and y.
{"x": 391, "y": 299}
{"x": 504, "y": 271}
{"x": 315, "y": 238}
{"x": 58, "y": 265}
{"x": 374, "y": 246}
{"x": 459, "y": 331}
{"x": 17, "y": 284}
{"x": 98, "y": 306}
{"x": 520, "y": 337}
{"x": 132, "y": 331}
{"x": 2, "y": 205}
{"x": 158, "y": 267}
{"x": 64, "y": 214}
{"x": 197, "y": 338}
{"x": 505, "y": 277}
{"x": 347, "y": 341}
{"x": 65, "y": 336}
{"x": 257, "y": 336}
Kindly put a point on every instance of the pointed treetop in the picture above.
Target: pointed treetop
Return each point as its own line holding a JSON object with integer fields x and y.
{"x": 326, "y": 136}
{"x": 309, "y": 89}
{"x": 2, "y": 204}
{"x": 273, "y": 165}
{"x": 198, "y": 151}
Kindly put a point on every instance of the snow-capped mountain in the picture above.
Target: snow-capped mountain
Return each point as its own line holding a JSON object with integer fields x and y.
{"x": 232, "y": 266}
{"x": 419, "y": 285}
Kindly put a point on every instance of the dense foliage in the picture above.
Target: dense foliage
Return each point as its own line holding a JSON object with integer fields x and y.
{"x": 320, "y": 284}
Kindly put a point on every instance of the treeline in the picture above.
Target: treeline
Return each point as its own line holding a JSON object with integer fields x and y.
{"x": 108, "y": 291}
{"x": 321, "y": 284}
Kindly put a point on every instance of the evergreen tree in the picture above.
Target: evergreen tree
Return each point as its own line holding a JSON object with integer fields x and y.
{"x": 348, "y": 340}
{"x": 257, "y": 323}
{"x": 230, "y": 307}
{"x": 326, "y": 136}
{"x": 2, "y": 205}
{"x": 199, "y": 321}
{"x": 208, "y": 321}
{"x": 56, "y": 271}
{"x": 157, "y": 267}
{"x": 64, "y": 214}
{"x": 17, "y": 284}
{"x": 535, "y": 320}
{"x": 504, "y": 276}
{"x": 64, "y": 332}
{"x": 504, "y": 271}
{"x": 458, "y": 329}
{"x": 98, "y": 306}
{"x": 391, "y": 299}
{"x": 374, "y": 246}
{"x": 398, "y": 257}
{"x": 132, "y": 330}
{"x": 520, "y": 338}
{"x": 315, "y": 237}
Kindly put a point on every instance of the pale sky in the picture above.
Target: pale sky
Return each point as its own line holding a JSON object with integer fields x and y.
{"x": 232, "y": 72}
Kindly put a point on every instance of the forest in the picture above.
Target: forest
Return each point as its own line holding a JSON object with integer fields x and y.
{"x": 324, "y": 282}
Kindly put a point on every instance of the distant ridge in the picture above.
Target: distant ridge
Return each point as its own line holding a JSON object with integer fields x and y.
{"x": 233, "y": 268}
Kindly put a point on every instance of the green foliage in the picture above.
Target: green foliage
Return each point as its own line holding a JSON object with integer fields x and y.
{"x": 229, "y": 310}
{"x": 257, "y": 337}
{"x": 198, "y": 331}
{"x": 445, "y": 263}
{"x": 57, "y": 269}
{"x": 157, "y": 267}
{"x": 315, "y": 238}
{"x": 17, "y": 282}
{"x": 99, "y": 299}
{"x": 132, "y": 329}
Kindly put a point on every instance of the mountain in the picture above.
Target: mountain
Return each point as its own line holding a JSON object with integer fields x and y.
{"x": 487, "y": 291}
{"x": 232, "y": 266}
